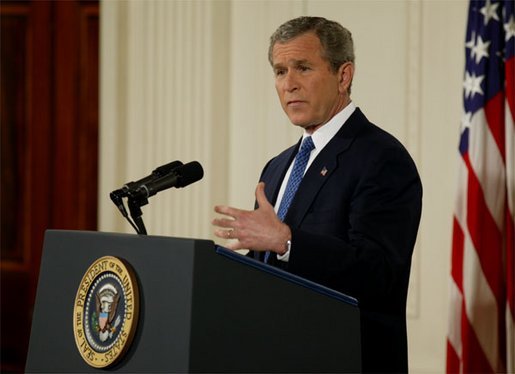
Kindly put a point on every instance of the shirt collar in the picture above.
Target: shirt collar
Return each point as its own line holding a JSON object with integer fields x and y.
{"x": 325, "y": 133}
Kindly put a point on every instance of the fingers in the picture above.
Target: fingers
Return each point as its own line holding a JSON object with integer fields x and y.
{"x": 247, "y": 229}
{"x": 223, "y": 222}
{"x": 238, "y": 213}
{"x": 260, "y": 195}
{"x": 225, "y": 226}
{"x": 233, "y": 243}
{"x": 227, "y": 210}
{"x": 224, "y": 234}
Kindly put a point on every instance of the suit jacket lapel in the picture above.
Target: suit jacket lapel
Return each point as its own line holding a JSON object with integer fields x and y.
{"x": 321, "y": 169}
{"x": 274, "y": 181}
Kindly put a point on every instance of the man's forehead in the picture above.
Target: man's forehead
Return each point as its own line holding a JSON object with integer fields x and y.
{"x": 303, "y": 48}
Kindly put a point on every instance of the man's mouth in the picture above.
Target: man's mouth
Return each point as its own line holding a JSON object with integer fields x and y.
{"x": 294, "y": 102}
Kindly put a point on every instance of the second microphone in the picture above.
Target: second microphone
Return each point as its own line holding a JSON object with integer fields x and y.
{"x": 180, "y": 177}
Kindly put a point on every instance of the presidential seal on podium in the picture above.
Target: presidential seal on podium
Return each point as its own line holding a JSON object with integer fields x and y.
{"x": 105, "y": 314}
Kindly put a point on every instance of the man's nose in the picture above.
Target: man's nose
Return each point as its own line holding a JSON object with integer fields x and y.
{"x": 290, "y": 82}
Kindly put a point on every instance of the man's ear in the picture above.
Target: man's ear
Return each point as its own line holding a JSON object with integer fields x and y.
{"x": 345, "y": 73}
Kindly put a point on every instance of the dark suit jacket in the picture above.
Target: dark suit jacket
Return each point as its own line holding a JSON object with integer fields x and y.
{"x": 354, "y": 222}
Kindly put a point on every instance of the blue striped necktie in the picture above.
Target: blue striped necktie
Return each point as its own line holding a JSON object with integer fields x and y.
{"x": 297, "y": 172}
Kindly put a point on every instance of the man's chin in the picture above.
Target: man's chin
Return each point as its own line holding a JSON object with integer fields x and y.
{"x": 309, "y": 127}
{"x": 299, "y": 122}
{"x": 304, "y": 125}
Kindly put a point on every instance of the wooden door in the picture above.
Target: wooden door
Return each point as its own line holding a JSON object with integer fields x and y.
{"x": 49, "y": 145}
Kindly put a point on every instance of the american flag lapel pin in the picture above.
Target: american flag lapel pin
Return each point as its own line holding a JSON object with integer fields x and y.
{"x": 323, "y": 172}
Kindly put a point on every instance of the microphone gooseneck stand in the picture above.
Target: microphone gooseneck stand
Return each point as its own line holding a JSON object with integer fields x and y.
{"x": 135, "y": 204}
{"x": 117, "y": 198}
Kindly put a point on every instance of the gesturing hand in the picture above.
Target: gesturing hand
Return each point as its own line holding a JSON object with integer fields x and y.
{"x": 259, "y": 230}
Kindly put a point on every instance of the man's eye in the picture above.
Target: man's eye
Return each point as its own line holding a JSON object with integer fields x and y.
{"x": 279, "y": 72}
{"x": 303, "y": 68}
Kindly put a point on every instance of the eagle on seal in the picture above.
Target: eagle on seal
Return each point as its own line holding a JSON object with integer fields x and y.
{"x": 107, "y": 299}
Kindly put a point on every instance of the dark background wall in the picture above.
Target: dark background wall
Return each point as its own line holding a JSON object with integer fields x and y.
{"x": 49, "y": 145}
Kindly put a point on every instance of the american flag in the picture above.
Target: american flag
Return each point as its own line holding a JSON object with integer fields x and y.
{"x": 481, "y": 336}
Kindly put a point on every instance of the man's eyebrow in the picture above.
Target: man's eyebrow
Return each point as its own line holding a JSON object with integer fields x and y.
{"x": 292, "y": 62}
{"x": 301, "y": 62}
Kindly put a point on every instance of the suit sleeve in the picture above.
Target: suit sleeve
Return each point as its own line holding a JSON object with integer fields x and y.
{"x": 372, "y": 258}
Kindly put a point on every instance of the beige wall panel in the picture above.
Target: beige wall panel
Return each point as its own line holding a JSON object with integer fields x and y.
{"x": 380, "y": 39}
{"x": 259, "y": 129}
{"x": 164, "y": 95}
{"x": 443, "y": 37}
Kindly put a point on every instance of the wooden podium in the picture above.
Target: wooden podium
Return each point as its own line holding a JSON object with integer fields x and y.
{"x": 202, "y": 308}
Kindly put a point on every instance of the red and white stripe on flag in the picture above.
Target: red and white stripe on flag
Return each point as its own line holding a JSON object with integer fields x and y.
{"x": 481, "y": 336}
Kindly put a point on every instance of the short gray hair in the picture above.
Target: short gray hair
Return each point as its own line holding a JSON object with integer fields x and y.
{"x": 336, "y": 40}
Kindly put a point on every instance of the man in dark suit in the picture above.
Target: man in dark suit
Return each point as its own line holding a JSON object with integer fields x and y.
{"x": 341, "y": 207}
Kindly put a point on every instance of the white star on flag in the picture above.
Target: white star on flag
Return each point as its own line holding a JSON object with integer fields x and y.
{"x": 510, "y": 28}
{"x": 490, "y": 11}
{"x": 480, "y": 50}
{"x": 472, "y": 84}
{"x": 472, "y": 41}
{"x": 466, "y": 120}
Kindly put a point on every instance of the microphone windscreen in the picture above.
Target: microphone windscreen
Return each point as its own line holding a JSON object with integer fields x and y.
{"x": 163, "y": 170}
{"x": 190, "y": 173}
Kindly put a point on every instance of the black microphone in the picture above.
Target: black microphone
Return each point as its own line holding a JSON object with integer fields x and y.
{"x": 159, "y": 172}
{"x": 178, "y": 178}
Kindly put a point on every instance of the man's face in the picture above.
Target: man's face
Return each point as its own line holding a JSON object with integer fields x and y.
{"x": 309, "y": 91}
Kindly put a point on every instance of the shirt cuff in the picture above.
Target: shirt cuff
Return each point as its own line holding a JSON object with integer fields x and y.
{"x": 285, "y": 257}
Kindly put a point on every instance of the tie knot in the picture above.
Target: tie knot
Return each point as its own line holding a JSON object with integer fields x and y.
{"x": 307, "y": 145}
